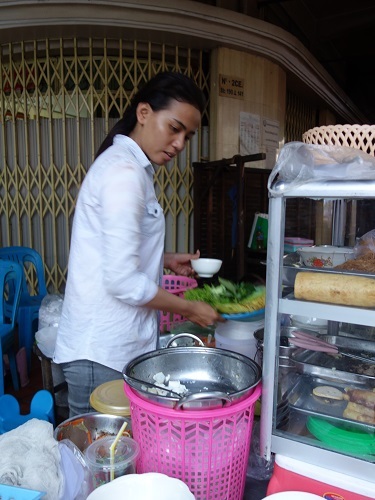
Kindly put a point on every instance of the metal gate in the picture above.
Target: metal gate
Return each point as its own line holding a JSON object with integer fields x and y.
{"x": 58, "y": 100}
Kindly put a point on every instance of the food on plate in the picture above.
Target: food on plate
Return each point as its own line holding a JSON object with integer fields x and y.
{"x": 364, "y": 369}
{"x": 361, "y": 405}
{"x": 328, "y": 392}
{"x": 229, "y": 297}
{"x": 361, "y": 396}
{"x": 363, "y": 410}
{"x": 359, "y": 417}
{"x": 335, "y": 289}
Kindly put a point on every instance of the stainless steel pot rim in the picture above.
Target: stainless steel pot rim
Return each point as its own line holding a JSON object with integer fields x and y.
{"x": 210, "y": 351}
{"x": 223, "y": 389}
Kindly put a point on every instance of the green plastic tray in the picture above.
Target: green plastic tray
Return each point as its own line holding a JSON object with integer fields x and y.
{"x": 343, "y": 439}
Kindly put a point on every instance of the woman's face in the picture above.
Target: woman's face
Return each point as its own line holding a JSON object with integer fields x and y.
{"x": 163, "y": 134}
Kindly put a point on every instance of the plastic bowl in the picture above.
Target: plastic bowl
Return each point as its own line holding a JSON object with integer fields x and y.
{"x": 146, "y": 486}
{"x": 325, "y": 256}
{"x": 83, "y": 429}
{"x": 206, "y": 268}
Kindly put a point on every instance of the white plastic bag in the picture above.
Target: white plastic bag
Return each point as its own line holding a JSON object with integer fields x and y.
{"x": 50, "y": 310}
{"x": 299, "y": 163}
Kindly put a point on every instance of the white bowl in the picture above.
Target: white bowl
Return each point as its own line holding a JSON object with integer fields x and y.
{"x": 206, "y": 268}
{"x": 147, "y": 486}
{"x": 325, "y": 256}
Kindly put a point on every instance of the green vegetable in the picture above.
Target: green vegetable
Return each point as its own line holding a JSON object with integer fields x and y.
{"x": 229, "y": 297}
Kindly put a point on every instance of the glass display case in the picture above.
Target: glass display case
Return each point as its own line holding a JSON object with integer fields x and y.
{"x": 308, "y": 410}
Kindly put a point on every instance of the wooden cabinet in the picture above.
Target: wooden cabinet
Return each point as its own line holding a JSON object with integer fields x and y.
{"x": 227, "y": 195}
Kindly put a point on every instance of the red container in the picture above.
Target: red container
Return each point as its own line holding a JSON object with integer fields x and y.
{"x": 328, "y": 484}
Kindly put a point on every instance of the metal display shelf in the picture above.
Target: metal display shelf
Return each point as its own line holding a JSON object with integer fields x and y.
{"x": 345, "y": 314}
{"x": 296, "y": 442}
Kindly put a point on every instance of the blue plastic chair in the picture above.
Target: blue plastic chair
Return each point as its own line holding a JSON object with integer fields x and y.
{"x": 41, "y": 407}
{"x": 11, "y": 276}
{"x": 33, "y": 291}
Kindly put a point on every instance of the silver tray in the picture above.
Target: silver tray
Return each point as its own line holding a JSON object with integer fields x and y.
{"x": 292, "y": 265}
{"x": 351, "y": 344}
{"x": 302, "y": 399}
{"x": 332, "y": 368}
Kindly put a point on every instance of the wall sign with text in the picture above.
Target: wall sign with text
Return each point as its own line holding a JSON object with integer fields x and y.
{"x": 231, "y": 86}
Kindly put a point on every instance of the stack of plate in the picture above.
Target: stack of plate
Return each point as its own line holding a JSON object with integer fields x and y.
{"x": 348, "y": 439}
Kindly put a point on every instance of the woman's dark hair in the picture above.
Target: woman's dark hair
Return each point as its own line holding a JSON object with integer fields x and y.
{"x": 158, "y": 93}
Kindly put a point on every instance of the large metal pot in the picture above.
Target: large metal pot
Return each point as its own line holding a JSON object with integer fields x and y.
{"x": 213, "y": 377}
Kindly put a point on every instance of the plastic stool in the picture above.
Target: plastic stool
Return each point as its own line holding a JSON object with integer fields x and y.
{"x": 10, "y": 415}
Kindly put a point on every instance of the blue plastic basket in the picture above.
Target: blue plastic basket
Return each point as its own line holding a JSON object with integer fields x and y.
{"x": 16, "y": 493}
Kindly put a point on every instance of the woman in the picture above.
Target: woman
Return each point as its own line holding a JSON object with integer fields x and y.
{"x": 117, "y": 249}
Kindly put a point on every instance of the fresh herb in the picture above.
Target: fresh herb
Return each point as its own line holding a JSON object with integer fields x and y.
{"x": 229, "y": 297}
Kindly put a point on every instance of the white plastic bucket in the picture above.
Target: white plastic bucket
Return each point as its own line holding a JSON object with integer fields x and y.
{"x": 238, "y": 336}
{"x": 147, "y": 486}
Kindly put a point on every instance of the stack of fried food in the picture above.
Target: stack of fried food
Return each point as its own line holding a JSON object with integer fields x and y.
{"x": 361, "y": 405}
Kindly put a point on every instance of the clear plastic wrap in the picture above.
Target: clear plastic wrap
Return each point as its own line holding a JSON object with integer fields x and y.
{"x": 50, "y": 310}
{"x": 365, "y": 245}
{"x": 299, "y": 163}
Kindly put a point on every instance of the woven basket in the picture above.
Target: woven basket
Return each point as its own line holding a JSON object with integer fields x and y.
{"x": 176, "y": 285}
{"x": 354, "y": 136}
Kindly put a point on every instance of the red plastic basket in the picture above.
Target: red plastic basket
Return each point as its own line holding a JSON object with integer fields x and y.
{"x": 207, "y": 449}
{"x": 176, "y": 285}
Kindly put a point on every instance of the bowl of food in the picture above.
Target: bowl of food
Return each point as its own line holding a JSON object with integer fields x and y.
{"x": 325, "y": 256}
{"x": 206, "y": 268}
{"x": 84, "y": 429}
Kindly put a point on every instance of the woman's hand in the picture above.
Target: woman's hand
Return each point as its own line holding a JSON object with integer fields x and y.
{"x": 198, "y": 312}
{"x": 203, "y": 314}
{"x": 179, "y": 263}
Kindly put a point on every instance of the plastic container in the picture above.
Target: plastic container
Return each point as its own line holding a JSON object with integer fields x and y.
{"x": 16, "y": 493}
{"x": 325, "y": 256}
{"x": 148, "y": 486}
{"x": 98, "y": 458}
{"x": 207, "y": 450}
{"x": 238, "y": 336}
{"x": 309, "y": 478}
{"x": 292, "y": 244}
{"x": 110, "y": 398}
{"x": 176, "y": 285}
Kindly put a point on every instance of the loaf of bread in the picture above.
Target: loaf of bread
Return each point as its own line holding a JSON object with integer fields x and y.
{"x": 335, "y": 289}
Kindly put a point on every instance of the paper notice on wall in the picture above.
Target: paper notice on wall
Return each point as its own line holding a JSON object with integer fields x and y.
{"x": 250, "y": 134}
{"x": 271, "y": 140}
{"x": 259, "y": 136}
